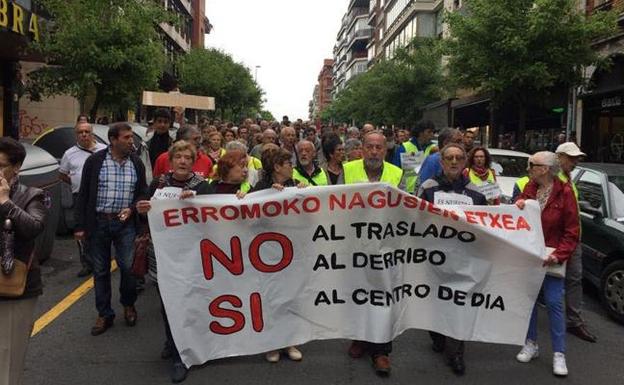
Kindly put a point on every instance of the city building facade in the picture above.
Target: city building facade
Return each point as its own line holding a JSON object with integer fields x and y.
{"x": 350, "y": 51}
{"x": 322, "y": 95}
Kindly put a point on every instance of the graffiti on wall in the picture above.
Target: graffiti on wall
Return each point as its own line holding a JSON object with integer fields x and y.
{"x": 30, "y": 127}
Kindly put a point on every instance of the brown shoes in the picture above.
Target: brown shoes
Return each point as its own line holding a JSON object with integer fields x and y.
{"x": 102, "y": 324}
{"x": 130, "y": 315}
{"x": 381, "y": 364}
{"x": 582, "y": 333}
{"x": 357, "y": 349}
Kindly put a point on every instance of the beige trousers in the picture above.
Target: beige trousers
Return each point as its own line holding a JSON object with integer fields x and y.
{"x": 16, "y": 321}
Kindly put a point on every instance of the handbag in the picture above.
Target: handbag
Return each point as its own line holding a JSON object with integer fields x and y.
{"x": 142, "y": 247}
{"x": 13, "y": 284}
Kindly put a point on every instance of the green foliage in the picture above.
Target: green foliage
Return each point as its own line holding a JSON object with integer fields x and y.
{"x": 107, "y": 48}
{"x": 210, "y": 72}
{"x": 393, "y": 91}
{"x": 520, "y": 49}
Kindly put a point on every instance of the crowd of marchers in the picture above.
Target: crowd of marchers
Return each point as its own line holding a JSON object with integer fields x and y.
{"x": 112, "y": 199}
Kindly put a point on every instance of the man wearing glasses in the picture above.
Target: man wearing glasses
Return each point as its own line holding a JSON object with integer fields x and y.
{"x": 70, "y": 172}
{"x": 451, "y": 187}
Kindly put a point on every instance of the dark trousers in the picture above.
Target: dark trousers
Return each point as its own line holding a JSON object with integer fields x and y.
{"x": 379, "y": 349}
{"x": 452, "y": 347}
{"x": 112, "y": 232}
{"x": 175, "y": 356}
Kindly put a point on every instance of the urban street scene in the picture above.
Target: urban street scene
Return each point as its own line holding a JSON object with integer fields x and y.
{"x": 323, "y": 192}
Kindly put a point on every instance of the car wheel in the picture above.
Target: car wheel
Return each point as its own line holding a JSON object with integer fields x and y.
{"x": 612, "y": 290}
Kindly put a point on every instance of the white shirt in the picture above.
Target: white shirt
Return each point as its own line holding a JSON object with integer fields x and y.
{"x": 73, "y": 160}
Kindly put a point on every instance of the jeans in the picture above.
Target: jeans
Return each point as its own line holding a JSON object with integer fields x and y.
{"x": 553, "y": 297}
{"x": 111, "y": 231}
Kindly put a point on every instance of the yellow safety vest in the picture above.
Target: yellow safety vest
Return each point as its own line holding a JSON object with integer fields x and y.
{"x": 412, "y": 180}
{"x": 354, "y": 172}
{"x": 475, "y": 180}
{"x": 563, "y": 177}
{"x": 320, "y": 179}
{"x": 522, "y": 182}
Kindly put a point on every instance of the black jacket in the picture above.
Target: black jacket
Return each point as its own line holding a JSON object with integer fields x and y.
{"x": 87, "y": 197}
{"x": 27, "y": 211}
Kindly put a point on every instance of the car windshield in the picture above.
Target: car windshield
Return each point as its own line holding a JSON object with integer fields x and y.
{"x": 509, "y": 165}
{"x": 616, "y": 190}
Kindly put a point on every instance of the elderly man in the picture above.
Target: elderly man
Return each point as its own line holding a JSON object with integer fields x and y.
{"x": 268, "y": 136}
{"x": 71, "y": 172}
{"x": 569, "y": 155}
{"x": 202, "y": 166}
{"x": 113, "y": 181}
{"x": 451, "y": 181}
{"x": 412, "y": 153}
{"x": 307, "y": 171}
{"x": 372, "y": 168}
{"x": 353, "y": 133}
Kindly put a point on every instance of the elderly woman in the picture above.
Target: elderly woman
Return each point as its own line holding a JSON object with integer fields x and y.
{"x": 334, "y": 152}
{"x": 561, "y": 233}
{"x": 22, "y": 212}
{"x": 254, "y": 165}
{"x": 353, "y": 149}
{"x": 231, "y": 174}
{"x": 277, "y": 173}
{"x": 182, "y": 156}
{"x": 214, "y": 147}
{"x": 480, "y": 173}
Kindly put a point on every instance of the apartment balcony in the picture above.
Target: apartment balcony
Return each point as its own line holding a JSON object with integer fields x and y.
{"x": 183, "y": 43}
{"x": 607, "y": 5}
{"x": 359, "y": 38}
{"x": 357, "y": 66}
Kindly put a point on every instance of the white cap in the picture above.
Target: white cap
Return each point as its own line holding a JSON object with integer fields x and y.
{"x": 570, "y": 149}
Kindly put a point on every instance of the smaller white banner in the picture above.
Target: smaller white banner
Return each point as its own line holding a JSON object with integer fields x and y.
{"x": 411, "y": 161}
{"x": 442, "y": 198}
{"x": 167, "y": 193}
{"x": 490, "y": 190}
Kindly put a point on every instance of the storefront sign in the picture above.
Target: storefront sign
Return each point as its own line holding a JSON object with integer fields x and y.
{"x": 17, "y": 19}
{"x": 611, "y": 102}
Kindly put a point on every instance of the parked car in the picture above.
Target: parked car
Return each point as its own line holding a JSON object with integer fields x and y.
{"x": 57, "y": 140}
{"x": 601, "y": 203}
{"x": 508, "y": 166}
{"x": 40, "y": 170}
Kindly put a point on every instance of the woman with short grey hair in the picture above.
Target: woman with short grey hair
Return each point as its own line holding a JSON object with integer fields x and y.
{"x": 561, "y": 227}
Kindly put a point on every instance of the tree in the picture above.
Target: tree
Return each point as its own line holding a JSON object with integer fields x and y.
{"x": 393, "y": 91}
{"x": 521, "y": 50}
{"x": 108, "y": 49}
{"x": 210, "y": 72}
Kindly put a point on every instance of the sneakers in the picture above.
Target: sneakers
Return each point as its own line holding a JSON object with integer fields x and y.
{"x": 559, "y": 365}
{"x": 529, "y": 351}
{"x": 294, "y": 354}
{"x": 273, "y": 356}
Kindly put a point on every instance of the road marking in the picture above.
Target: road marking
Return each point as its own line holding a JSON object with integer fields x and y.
{"x": 65, "y": 304}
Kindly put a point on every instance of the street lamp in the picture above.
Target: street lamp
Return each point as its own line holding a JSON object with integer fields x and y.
{"x": 256, "y": 74}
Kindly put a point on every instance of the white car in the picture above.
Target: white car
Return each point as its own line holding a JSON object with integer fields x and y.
{"x": 509, "y": 166}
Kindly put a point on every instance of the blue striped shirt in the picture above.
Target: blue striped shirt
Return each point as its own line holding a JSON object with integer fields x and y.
{"x": 116, "y": 184}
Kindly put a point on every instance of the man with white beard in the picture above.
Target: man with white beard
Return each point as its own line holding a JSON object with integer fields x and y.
{"x": 372, "y": 168}
{"x": 307, "y": 171}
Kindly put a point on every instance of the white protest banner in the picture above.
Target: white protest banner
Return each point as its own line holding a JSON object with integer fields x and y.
{"x": 363, "y": 262}
{"x": 410, "y": 162}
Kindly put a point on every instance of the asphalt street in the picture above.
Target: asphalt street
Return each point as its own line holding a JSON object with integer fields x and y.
{"x": 65, "y": 353}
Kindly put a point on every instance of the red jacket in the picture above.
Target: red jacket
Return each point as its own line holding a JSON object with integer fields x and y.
{"x": 560, "y": 221}
{"x": 202, "y": 166}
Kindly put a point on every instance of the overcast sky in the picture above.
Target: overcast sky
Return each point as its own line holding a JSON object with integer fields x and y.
{"x": 288, "y": 39}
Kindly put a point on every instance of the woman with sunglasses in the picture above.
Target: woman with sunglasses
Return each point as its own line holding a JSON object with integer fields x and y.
{"x": 561, "y": 233}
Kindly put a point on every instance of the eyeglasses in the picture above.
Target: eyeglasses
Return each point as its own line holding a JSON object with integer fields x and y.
{"x": 458, "y": 158}
{"x": 531, "y": 165}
